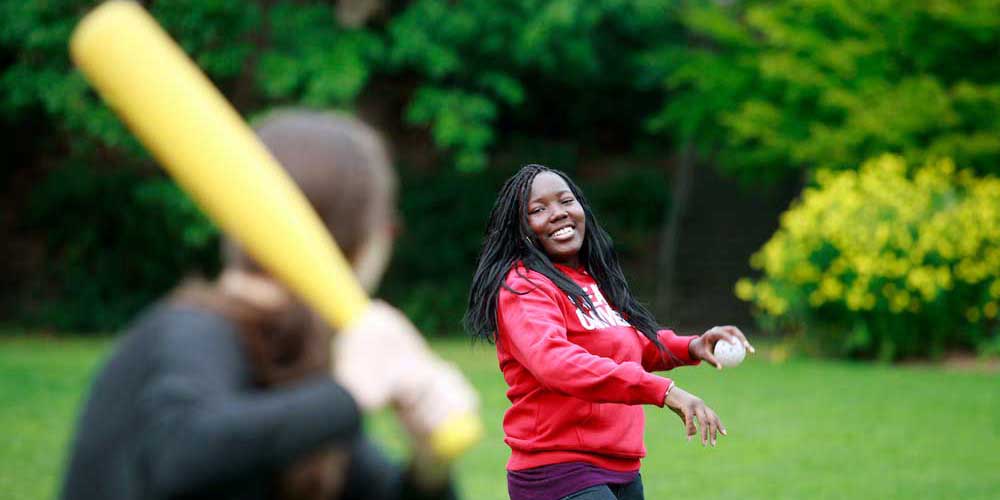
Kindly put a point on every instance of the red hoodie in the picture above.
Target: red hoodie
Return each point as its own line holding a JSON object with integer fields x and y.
{"x": 576, "y": 382}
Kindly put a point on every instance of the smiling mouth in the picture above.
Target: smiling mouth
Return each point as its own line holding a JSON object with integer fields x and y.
{"x": 563, "y": 234}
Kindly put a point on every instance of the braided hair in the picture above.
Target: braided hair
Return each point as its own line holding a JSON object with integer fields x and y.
{"x": 509, "y": 239}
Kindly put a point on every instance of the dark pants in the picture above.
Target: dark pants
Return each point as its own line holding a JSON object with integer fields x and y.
{"x": 630, "y": 491}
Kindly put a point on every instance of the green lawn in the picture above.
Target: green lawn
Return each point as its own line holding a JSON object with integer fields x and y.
{"x": 801, "y": 429}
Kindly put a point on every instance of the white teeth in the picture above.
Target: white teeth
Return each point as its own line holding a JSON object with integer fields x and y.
{"x": 563, "y": 233}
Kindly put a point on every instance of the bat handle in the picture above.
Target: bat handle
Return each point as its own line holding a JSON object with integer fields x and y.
{"x": 456, "y": 435}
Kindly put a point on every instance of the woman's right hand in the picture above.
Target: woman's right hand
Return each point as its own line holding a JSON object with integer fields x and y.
{"x": 690, "y": 407}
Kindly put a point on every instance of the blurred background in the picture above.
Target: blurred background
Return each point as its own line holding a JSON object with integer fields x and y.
{"x": 693, "y": 126}
{"x": 822, "y": 173}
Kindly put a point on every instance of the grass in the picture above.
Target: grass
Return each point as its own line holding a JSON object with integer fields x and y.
{"x": 799, "y": 429}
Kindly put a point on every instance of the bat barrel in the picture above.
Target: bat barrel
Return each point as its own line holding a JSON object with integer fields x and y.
{"x": 197, "y": 136}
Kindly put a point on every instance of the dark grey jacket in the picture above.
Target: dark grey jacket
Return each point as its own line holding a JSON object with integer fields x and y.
{"x": 174, "y": 414}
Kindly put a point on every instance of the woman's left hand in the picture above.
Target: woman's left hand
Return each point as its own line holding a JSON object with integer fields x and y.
{"x": 703, "y": 346}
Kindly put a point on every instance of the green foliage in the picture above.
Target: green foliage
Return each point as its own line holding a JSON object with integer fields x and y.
{"x": 541, "y": 68}
{"x": 39, "y": 79}
{"x": 217, "y": 32}
{"x": 433, "y": 262}
{"x": 773, "y": 86}
{"x": 888, "y": 261}
{"x": 458, "y": 120}
{"x": 116, "y": 234}
{"x": 630, "y": 203}
{"x": 115, "y": 241}
{"x": 779, "y": 86}
{"x": 310, "y": 60}
{"x": 557, "y": 68}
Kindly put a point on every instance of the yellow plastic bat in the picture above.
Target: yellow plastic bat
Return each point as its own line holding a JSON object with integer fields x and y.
{"x": 197, "y": 136}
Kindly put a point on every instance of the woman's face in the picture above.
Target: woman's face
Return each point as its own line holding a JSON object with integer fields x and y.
{"x": 557, "y": 218}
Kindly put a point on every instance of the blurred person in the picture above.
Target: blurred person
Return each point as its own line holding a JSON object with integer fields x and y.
{"x": 575, "y": 347}
{"x": 224, "y": 389}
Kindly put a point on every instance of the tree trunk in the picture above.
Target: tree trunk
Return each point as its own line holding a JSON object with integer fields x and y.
{"x": 670, "y": 231}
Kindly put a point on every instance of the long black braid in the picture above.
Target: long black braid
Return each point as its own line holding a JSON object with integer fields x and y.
{"x": 509, "y": 239}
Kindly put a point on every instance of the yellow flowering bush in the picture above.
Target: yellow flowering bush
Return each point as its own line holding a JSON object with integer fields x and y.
{"x": 888, "y": 261}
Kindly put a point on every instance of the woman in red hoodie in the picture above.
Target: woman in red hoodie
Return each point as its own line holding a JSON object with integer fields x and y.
{"x": 575, "y": 347}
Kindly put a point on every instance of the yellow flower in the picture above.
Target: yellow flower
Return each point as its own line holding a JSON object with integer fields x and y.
{"x": 990, "y": 310}
{"x": 972, "y": 314}
{"x": 856, "y": 299}
{"x": 899, "y": 302}
{"x": 816, "y": 299}
{"x": 995, "y": 289}
{"x": 804, "y": 273}
{"x": 744, "y": 289}
{"x": 943, "y": 278}
{"x": 831, "y": 288}
{"x": 885, "y": 235}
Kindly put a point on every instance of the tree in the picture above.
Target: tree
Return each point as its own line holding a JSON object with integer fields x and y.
{"x": 476, "y": 75}
{"x": 791, "y": 85}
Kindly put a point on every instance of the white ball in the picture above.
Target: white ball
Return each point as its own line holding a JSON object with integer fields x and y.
{"x": 729, "y": 353}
